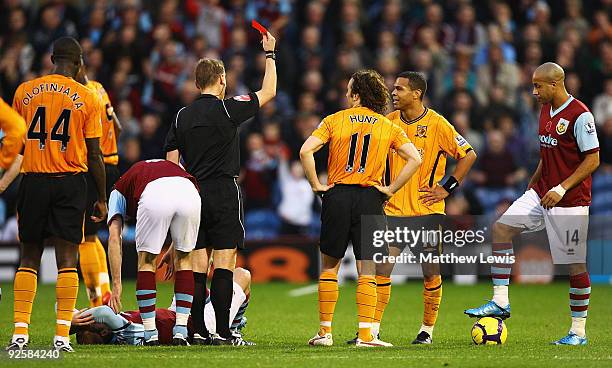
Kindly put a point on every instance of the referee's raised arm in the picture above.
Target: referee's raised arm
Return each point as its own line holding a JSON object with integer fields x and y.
{"x": 268, "y": 86}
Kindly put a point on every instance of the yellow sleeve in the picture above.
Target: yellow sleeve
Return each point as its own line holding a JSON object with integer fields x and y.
{"x": 14, "y": 128}
{"x": 93, "y": 124}
{"x": 324, "y": 130}
{"x": 452, "y": 142}
{"x": 399, "y": 137}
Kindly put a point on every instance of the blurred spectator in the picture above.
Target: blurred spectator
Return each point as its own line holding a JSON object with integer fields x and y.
{"x": 258, "y": 174}
{"x": 573, "y": 18}
{"x": 131, "y": 154}
{"x": 152, "y": 138}
{"x": 295, "y": 209}
{"x": 500, "y": 73}
{"x": 462, "y": 124}
{"x": 434, "y": 21}
{"x": 606, "y": 145}
{"x": 602, "y": 104}
{"x": 467, "y": 30}
{"x": 211, "y": 22}
{"x": 50, "y": 27}
{"x": 497, "y": 172}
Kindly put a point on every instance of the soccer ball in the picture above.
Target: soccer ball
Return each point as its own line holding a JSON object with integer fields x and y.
{"x": 489, "y": 331}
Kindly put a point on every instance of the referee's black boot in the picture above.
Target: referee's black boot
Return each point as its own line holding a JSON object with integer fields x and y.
{"x": 198, "y": 339}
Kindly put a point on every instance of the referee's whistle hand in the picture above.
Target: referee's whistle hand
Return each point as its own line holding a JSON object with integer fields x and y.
{"x": 100, "y": 211}
{"x": 268, "y": 42}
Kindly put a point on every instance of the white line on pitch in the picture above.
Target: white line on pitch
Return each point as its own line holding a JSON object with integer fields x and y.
{"x": 305, "y": 290}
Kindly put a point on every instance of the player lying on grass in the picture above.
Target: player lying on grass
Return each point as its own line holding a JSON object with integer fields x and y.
{"x": 101, "y": 325}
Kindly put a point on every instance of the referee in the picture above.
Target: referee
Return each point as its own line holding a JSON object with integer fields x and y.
{"x": 205, "y": 135}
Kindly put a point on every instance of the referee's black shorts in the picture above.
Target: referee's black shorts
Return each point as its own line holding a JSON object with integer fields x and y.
{"x": 341, "y": 221}
{"x": 51, "y": 205}
{"x": 112, "y": 175}
{"x": 222, "y": 214}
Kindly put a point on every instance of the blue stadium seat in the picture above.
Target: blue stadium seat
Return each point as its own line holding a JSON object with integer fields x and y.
{"x": 261, "y": 224}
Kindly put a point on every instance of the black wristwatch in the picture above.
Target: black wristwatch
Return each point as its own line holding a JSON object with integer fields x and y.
{"x": 271, "y": 55}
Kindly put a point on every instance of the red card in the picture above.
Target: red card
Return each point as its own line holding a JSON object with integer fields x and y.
{"x": 255, "y": 24}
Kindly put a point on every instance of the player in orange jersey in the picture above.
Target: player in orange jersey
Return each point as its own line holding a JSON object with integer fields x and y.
{"x": 359, "y": 140}
{"x": 422, "y": 198}
{"x": 14, "y": 128}
{"x": 92, "y": 255}
{"x": 63, "y": 143}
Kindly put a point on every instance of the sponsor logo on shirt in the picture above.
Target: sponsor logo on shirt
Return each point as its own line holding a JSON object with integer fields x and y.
{"x": 562, "y": 126}
{"x": 548, "y": 141}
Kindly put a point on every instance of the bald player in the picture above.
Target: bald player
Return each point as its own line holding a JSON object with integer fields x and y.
{"x": 557, "y": 199}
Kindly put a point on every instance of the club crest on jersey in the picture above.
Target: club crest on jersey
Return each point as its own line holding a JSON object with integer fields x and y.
{"x": 421, "y": 131}
{"x": 562, "y": 126}
{"x": 242, "y": 98}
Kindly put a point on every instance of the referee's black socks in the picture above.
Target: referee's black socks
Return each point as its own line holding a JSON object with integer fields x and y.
{"x": 199, "y": 300}
{"x": 221, "y": 290}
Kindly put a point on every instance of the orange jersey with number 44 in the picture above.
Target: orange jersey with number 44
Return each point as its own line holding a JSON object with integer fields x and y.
{"x": 60, "y": 113}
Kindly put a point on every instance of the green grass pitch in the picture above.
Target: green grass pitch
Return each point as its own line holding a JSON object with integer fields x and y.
{"x": 281, "y": 325}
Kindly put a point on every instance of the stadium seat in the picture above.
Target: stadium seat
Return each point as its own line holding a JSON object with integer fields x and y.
{"x": 261, "y": 224}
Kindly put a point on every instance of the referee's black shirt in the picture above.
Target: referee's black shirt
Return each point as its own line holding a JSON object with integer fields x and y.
{"x": 206, "y": 134}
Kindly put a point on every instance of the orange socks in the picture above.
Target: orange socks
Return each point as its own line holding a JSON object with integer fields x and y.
{"x": 66, "y": 291}
{"x": 90, "y": 269}
{"x": 366, "y": 305}
{"x": 383, "y": 295}
{"x": 328, "y": 297}
{"x": 24, "y": 289}
{"x": 103, "y": 275}
{"x": 432, "y": 296}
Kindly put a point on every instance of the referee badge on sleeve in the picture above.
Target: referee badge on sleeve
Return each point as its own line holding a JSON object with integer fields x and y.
{"x": 243, "y": 98}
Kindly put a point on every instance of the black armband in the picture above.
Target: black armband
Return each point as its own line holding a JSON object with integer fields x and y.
{"x": 451, "y": 184}
{"x": 271, "y": 55}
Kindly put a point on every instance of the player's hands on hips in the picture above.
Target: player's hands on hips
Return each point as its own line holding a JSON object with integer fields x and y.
{"x": 82, "y": 318}
{"x": 268, "y": 42}
{"x": 550, "y": 199}
{"x": 115, "y": 300}
{"x": 432, "y": 195}
{"x": 100, "y": 211}
{"x": 168, "y": 259}
{"x": 320, "y": 188}
{"x": 385, "y": 190}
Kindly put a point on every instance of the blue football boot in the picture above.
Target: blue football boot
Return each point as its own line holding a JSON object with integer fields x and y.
{"x": 490, "y": 309}
{"x": 571, "y": 339}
